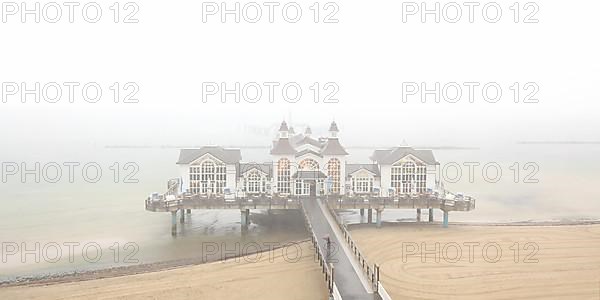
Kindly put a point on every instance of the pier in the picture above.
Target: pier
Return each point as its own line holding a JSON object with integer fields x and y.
{"x": 349, "y": 275}
{"x": 347, "y": 272}
{"x": 184, "y": 203}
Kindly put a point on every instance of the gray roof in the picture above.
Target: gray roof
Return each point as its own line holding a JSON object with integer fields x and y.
{"x": 264, "y": 167}
{"x": 309, "y": 175}
{"x": 333, "y": 147}
{"x": 283, "y": 147}
{"x": 351, "y": 168}
{"x": 228, "y": 156}
{"x": 390, "y": 156}
{"x": 296, "y": 139}
{"x": 311, "y": 141}
{"x": 308, "y": 151}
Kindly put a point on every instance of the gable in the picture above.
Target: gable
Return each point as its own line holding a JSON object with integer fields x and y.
{"x": 409, "y": 158}
{"x": 251, "y": 169}
{"x": 362, "y": 172}
{"x": 206, "y": 156}
{"x": 392, "y": 156}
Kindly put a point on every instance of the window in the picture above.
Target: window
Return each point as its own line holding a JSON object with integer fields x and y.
{"x": 283, "y": 176}
{"x": 409, "y": 178}
{"x": 209, "y": 177}
{"x": 362, "y": 184}
{"x": 309, "y": 165}
{"x": 255, "y": 183}
{"x": 302, "y": 188}
{"x": 320, "y": 187}
{"x": 333, "y": 172}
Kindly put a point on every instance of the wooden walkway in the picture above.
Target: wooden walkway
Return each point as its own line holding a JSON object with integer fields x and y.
{"x": 348, "y": 278}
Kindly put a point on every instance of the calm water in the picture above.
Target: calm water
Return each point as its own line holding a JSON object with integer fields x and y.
{"x": 108, "y": 213}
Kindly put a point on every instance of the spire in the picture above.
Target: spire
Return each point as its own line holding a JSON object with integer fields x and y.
{"x": 283, "y": 126}
{"x": 308, "y": 131}
{"x": 333, "y": 130}
{"x": 283, "y": 130}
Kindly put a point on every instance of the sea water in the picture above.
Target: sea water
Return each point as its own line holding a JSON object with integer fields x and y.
{"x": 110, "y": 213}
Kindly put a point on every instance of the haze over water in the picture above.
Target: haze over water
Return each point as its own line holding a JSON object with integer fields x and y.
{"x": 107, "y": 213}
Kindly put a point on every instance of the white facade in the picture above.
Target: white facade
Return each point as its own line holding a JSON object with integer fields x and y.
{"x": 302, "y": 165}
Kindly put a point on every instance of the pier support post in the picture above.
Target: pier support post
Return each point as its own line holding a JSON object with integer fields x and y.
{"x": 174, "y": 223}
{"x": 245, "y": 213}
{"x": 418, "y": 215}
{"x": 379, "y": 211}
{"x": 189, "y": 211}
{"x": 445, "y": 224}
{"x": 362, "y": 212}
{"x": 182, "y": 216}
{"x": 370, "y": 216}
{"x": 431, "y": 215}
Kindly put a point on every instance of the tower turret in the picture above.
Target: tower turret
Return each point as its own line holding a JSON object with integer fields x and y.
{"x": 283, "y": 130}
{"x": 333, "y": 130}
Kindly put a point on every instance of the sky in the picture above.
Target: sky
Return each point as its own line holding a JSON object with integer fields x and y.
{"x": 367, "y": 56}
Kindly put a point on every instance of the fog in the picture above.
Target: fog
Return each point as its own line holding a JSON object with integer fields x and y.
{"x": 368, "y": 57}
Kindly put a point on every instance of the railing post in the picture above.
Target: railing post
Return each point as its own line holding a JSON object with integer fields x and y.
{"x": 332, "y": 278}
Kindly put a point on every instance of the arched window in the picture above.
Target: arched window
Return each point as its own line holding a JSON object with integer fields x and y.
{"x": 408, "y": 177}
{"x": 283, "y": 176}
{"x": 333, "y": 172}
{"x": 255, "y": 182}
{"x": 309, "y": 165}
{"x": 208, "y": 177}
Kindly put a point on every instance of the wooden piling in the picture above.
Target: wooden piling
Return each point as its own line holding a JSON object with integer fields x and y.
{"x": 174, "y": 223}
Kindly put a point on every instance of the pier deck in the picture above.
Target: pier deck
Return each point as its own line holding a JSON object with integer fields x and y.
{"x": 293, "y": 202}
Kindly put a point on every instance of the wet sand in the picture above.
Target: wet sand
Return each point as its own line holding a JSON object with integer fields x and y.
{"x": 553, "y": 262}
{"x": 252, "y": 277}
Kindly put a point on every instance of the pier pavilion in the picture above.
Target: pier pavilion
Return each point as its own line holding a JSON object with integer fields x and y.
{"x": 312, "y": 175}
{"x": 304, "y": 166}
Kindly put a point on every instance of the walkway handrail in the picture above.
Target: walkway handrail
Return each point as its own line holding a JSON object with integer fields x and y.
{"x": 336, "y": 293}
{"x": 327, "y": 269}
{"x": 371, "y": 272}
{"x": 382, "y": 292}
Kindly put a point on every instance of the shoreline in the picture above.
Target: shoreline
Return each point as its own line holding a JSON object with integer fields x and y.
{"x": 480, "y": 224}
{"x": 59, "y": 278}
{"x": 120, "y": 271}
{"x": 285, "y": 274}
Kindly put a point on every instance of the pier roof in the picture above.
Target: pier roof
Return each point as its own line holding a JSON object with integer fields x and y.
{"x": 283, "y": 147}
{"x": 263, "y": 167}
{"x": 307, "y": 151}
{"x": 333, "y": 147}
{"x": 229, "y": 156}
{"x": 351, "y": 168}
{"x": 390, "y": 156}
{"x": 309, "y": 175}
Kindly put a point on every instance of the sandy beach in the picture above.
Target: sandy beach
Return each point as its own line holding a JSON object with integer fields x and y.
{"x": 553, "y": 262}
{"x": 417, "y": 262}
{"x": 252, "y": 277}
